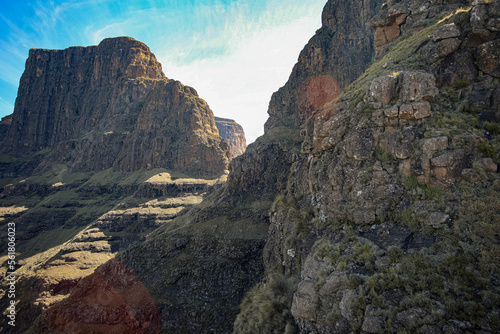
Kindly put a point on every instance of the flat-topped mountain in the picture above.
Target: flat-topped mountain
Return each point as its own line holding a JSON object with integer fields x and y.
{"x": 110, "y": 105}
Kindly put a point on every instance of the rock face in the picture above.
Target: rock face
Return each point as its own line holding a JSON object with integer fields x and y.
{"x": 233, "y": 133}
{"x": 370, "y": 204}
{"x": 101, "y": 150}
{"x": 4, "y": 125}
{"x": 374, "y": 207}
{"x": 111, "y": 106}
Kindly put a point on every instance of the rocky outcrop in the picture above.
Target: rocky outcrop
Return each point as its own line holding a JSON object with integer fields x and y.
{"x": 111, "y": 106}
{"x": 377, "y": 202}
{"x": 335, "y": 56}
{"x": 233, "y": 133}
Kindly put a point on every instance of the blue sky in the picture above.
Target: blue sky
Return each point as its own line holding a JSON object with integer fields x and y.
{"x": 235, "y": 53}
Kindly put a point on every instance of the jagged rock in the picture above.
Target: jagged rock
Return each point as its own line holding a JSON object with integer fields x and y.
{"x": 328, "y": 126}
{"x": 436, "y": 219}
{"x": 348, "y": 303}
{"x": 360, "y": 144}
{"x": 388, "y": 26}
{"x": 435, "y": 144}
{"x": 411, "y": 318}
{"x": 416, "y": 110}
{"x": 333, "y": 283}
{"x": 470, "y": 175}
{"x": 459, "y": 65}
{"x": 444, "y": 48}
{"x": 488, "y": 165}
{"x": 373, "y": 324}
{"x": 384, "y": 88}
{"x": 392, "y": 111}
{"x": 305, "y": 301}
{"x": 233, "y": 133}
{"x": 417, "y": 86}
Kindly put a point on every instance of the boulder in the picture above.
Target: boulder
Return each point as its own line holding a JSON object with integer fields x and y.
{"x": 446, "y": 31}
{"x": 383, "y": 89}
{"x": 417, "y": 86}
{"x": 488, "y": 57}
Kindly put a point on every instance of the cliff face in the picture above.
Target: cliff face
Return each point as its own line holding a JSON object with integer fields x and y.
{"x": 208, "y": 259}
{"x": 101, "y": 150}
{"x": 383, "y": 224}
{"x": 370, "y": 205}
{"x": 111, "y": 106}
{"x": 233, "y": 133}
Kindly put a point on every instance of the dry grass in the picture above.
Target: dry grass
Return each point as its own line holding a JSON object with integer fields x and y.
{"x": 11, "y": 211}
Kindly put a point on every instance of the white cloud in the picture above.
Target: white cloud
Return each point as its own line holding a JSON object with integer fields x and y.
{"x": 239, "y": 84}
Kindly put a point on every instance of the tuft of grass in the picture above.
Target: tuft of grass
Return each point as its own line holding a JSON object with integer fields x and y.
{"x": 493, "y": 128}
{"x": 461, "y": 83}
{"x": 266, "y": 307}
{"x": 383, "y": 156}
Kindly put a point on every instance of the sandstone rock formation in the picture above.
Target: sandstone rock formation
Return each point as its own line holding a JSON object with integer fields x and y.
{"x": 233, "y": 133}
{"x": 111, "y": 106}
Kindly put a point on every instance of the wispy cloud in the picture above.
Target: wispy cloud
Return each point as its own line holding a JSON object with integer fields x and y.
{"x": 235, "y": 53}
{"x": 258, "y": 59}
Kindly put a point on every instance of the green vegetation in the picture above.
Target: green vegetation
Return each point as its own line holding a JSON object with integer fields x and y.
{"x": 281, "y": 134}
{"x": 403, "y": 57}
{"x": 266, "y": 307}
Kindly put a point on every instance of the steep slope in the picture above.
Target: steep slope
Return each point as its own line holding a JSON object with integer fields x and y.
{"x": 380, "y": 161}
{"x": 101, "y": 149}
{"x": 390, "y": 218}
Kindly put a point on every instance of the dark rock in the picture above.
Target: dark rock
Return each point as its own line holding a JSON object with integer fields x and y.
{"x": 458, "y": 65}
{"x": 446, "y": 31}
{"x": 360, "y": 145}
{"x": 488, "y": 58}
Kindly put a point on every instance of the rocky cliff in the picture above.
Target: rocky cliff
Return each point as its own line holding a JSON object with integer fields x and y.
{"x": 233, "y": 133}
{"x": 388, "y": 218}
{"x": 370, "y": 205}
{"x": 101, "y": 150}
{"x": 111, "y": 106}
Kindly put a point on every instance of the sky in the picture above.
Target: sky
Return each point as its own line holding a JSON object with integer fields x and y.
{"x": 235, "y": 53}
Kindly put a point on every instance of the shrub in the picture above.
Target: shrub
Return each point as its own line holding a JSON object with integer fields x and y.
{"x": 266, "y": 307}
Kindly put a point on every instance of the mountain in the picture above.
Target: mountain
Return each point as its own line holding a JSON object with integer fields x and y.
{"x": 101, "y": 149}
{"x": 370, "y": 204}
{"x": 111, "y": 106}
{"x": 233, "y": 133}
